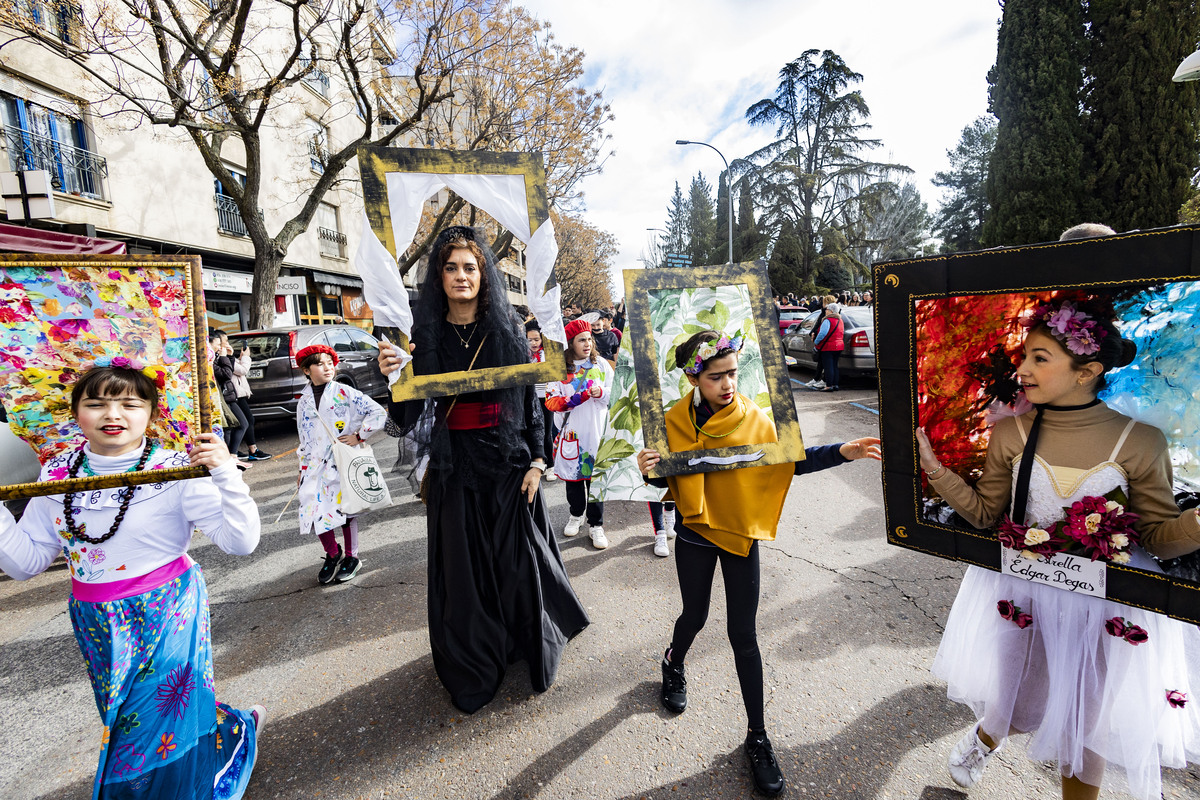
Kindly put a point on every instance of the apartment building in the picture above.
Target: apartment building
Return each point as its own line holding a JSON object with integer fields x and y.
{"x": 149, "y": 188}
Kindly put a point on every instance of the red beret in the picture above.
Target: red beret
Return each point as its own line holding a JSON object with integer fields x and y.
{"x": 576, "y": 327}
{"x": 314, "y": 349}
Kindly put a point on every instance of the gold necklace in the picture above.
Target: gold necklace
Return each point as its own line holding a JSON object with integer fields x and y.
{"x": 465, "y": 342}
{"x": 692, "y": 417}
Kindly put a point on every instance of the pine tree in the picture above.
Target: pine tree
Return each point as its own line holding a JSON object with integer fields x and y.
{"x": 1141, "y": 128}
{"x": 960, "y": 219}
{"x": 702, "y": 223}
{"x": 785, "y": 270}
{"x": 748, "y": 243}
{"x": 720, "y": 250}
{"x": 678, "y": 212}
{"x": 1036, "y": 181}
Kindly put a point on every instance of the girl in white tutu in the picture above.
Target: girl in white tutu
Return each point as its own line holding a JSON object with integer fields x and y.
{"x": 1096, "y": 682}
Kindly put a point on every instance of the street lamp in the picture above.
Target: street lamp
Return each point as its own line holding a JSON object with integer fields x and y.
{"x": 728, "y": 189}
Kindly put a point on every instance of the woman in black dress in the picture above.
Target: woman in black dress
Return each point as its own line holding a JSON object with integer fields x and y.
{"x": 498, "y": 590}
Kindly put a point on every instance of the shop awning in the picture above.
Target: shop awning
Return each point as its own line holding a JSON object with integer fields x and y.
{"x": 337, "y": 280}
{"x": 19, "y": 239}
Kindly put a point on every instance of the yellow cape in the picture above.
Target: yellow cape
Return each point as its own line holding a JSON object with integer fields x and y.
{"x": 731, "y": 508}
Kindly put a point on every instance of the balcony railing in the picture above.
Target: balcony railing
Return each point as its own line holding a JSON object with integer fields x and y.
{"x": 317, "y": 156}
{"x": 72, "y": 169}
{"x": 229, "y": 219}
{"x": 333, "y": 243}
{"x": 317, "y": 79}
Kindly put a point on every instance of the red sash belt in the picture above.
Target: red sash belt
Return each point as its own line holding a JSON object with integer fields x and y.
{"x": 473, "y": 416}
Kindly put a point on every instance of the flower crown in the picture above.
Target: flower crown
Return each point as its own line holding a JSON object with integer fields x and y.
{"x": 154, "y": 372}
{"x": 1076, "y": 330}
{"x": 709, "y": 349}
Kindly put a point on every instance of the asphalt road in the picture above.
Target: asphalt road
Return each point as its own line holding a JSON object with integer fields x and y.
{"x": 848, "y": 627}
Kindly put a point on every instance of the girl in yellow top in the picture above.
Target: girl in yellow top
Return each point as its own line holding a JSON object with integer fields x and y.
{"x": 721, "y": 516}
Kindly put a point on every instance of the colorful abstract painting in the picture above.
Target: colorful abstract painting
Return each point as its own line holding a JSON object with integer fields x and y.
{"x": 968, "y": 349}
{"x": 59, "y": 316}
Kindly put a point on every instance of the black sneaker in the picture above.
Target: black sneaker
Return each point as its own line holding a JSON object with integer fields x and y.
{"x": 259, "y": 455}
{"x": 348, "y": 569}
{"x": 329, "y": 568}
{"x": 674, "y": 687}
{"x": 242, "y": 456}
{"x": 764, "y": 767}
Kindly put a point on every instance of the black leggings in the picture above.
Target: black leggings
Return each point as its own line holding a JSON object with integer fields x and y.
{"x": 577, "y": 502}
{"x": 696, "y": 565}
{"x": 247, "y": 437}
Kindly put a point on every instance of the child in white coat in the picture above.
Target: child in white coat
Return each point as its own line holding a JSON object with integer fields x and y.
{"x": 354, "y": 417}
{"x": 580, "y": 403}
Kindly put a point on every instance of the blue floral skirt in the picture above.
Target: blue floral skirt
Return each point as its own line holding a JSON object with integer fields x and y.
{"x": 165, "y": 736}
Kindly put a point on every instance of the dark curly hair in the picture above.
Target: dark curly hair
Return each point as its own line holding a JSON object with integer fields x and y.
{"x": 1114, "y": 351}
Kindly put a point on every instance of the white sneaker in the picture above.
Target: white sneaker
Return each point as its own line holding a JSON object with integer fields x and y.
{"x": 599, "y": 540}
{"x": 661, "y": 549}
{"x": 669, "y": 523}
{"x": 969, "y": 758}
{"x": 573, "y": 526}
{"x": 550, "y": 475}
{"x": 817, "y": 385}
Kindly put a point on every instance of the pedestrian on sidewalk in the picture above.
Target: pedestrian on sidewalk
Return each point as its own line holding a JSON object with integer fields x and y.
{"x": 223, "y": 371}
{"x": 138, "y": 603}
{"x": 828, "y": 342}
{"x": 328, "y": 405}
{"x": 241, "y": 385}
{"x": 818, "y": 379}
{"x": 721, "y": 517}
{"x": 498, "y": 590}
{"x": 580, "y": 406}
{"x": 537, "y": 355}
{"x": 1098, "y": 683}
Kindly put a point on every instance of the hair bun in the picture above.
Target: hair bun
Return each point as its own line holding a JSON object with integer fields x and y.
{"x": 1128, "y": 352}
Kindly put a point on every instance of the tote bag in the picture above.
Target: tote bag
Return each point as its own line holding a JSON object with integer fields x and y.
{"x": 363, "y": 486}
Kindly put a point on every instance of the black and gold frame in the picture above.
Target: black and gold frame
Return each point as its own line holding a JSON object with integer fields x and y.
{"x": 947, "y": 345}
{"x": 650, "y": 355}
{"x": 60, "y": 313}
{"x": 375, "y": 163}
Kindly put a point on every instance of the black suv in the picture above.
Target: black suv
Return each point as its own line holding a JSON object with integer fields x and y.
{"x": 276, "y": 381}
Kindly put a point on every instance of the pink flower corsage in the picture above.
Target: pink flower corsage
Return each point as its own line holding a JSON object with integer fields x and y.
{"x": 1011, "y": 611}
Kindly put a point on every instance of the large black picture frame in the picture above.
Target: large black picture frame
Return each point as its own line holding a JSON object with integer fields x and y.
{"x": 1137, "y": 259}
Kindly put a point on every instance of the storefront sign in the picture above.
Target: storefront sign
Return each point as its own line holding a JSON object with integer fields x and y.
{"x": 217, "y": 280}
{"x": 291, "y": 284}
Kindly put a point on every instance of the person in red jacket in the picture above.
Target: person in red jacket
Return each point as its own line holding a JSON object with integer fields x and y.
{"x": 829, "y": 343}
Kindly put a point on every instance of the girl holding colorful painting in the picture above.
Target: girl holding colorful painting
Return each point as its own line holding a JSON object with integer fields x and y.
{"x": 721, "y": 517}
{"x": 138, "y": 603}
{"x": 1096, "y": 682}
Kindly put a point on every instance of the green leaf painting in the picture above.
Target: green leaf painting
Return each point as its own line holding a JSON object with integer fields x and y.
{"x": 675, "y": 315}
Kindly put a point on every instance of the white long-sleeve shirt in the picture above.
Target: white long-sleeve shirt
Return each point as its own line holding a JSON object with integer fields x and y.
{"x": 156, "y": 530}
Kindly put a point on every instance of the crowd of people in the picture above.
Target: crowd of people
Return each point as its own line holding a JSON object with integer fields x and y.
{"x": 816, "y": 302}
{"x": 498, "y": 590}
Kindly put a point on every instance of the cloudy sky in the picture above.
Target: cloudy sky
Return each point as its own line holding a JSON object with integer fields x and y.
{"x": 689, "y": 70}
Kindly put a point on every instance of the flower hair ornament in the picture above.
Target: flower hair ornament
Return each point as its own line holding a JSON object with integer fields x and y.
{"x": 1076, "y": 330}
{"x": 154, "y": 372}
{"x": 314, "y": 349}
{"x": 707, "y": 350}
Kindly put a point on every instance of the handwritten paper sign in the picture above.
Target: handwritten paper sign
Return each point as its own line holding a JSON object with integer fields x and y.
{"x": 1062, "y": 571}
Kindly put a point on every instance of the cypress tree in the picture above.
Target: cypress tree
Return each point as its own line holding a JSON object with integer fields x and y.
{"x": 1141, "y": 128}
{"x": 702, "y": 222}
{"x": 786, "y": 268}
{"x": 1035, "y": 180}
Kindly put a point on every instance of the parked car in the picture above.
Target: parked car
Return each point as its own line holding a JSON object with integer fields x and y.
{"x": 788, "y": 316}
{"x": 859, "y": 356}
{"x": 275, "y": 378}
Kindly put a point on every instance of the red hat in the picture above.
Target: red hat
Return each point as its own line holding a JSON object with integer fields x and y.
{"x": 576, "y": 327}
{"x": 313, "y": 349}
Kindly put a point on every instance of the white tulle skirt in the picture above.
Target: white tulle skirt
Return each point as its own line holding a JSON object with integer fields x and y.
{"x": 1085, "y": 694}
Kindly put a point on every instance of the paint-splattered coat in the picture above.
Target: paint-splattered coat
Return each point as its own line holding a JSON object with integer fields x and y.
{"x": 346, "y": 410}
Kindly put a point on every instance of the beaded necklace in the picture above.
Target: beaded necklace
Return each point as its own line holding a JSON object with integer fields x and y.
{"x": 126, "y": 496}
{"x": 692, "y": 417}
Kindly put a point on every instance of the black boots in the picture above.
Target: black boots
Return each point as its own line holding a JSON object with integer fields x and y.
{"x": 768, "y": 778}
{"x": 674, "y": 687}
